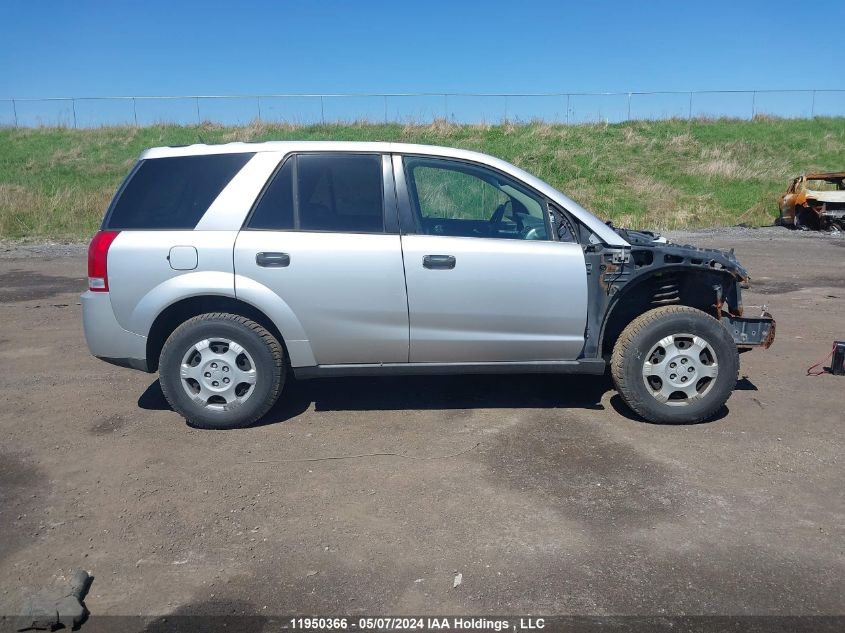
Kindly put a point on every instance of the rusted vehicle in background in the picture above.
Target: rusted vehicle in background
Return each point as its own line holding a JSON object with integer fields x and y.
{"x": 815, "y": 201}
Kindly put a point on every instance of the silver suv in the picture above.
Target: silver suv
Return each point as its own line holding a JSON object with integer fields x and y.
{"x": 229, "y": 268}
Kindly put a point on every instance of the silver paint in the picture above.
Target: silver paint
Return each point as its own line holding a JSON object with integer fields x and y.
{"x": 347, "y": 291}
{"x": 342, "y": 299}
{"x": 505, "y": 300}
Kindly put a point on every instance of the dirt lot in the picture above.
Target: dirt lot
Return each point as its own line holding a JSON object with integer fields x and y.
{"x": 558, "y": 500}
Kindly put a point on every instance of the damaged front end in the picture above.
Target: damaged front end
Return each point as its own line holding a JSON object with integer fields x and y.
{"x": 652, "y": 273}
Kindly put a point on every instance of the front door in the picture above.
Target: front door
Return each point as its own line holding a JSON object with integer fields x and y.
{"x": 486, "y": 281}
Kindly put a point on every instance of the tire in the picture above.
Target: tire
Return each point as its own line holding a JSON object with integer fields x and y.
{"x": 703, "y": 352}
{"x": 221, "y": 371}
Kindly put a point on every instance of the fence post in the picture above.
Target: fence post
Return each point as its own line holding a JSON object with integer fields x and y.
{"x": 446, "y": 107}
{"x": 629, "y": 107}
{"x": 135, "y": 111}
{"x": 258, "y": 102}
{"x": 15, "y": 113}
{"x": 813, "y": 106}
{"x": 506, "y": 109}
{"x": 567, "y": 109}
{"x": 322, "y": 111}
{"x": 689, "y": 116}
{"x": 197, "y": 101}
{"x": 385, "y": 109}
{"x": 753, "y": 104}
{"x": 73, "y": 106}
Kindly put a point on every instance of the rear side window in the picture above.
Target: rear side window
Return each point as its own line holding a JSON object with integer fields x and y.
{"x": 173, "y": 193}
{"x": 324, "y": 192}
{"x": 274, "y": 210}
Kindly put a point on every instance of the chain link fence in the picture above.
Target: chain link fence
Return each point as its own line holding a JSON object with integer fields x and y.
{"x": 419, "y": 107}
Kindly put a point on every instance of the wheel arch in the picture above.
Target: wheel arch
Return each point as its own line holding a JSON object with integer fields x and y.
{"x": 705, "y": 289}
{"x": 177, "y": 313}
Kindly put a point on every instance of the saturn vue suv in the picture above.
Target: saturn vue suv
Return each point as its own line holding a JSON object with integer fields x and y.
{"x": 229, "y": 269}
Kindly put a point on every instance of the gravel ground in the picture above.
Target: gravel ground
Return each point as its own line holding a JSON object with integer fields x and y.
{"x": 544, "y": 492}
{"x": 12, "y": 250}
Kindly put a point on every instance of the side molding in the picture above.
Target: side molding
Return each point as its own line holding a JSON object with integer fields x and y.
{"x": 584, "y": 366}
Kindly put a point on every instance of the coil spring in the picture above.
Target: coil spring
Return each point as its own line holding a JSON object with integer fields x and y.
{"x": 666, "y": 291}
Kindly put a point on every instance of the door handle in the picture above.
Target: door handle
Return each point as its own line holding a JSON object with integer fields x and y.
{"x": 445, "y": 262}
{"x": 272, "y": 260}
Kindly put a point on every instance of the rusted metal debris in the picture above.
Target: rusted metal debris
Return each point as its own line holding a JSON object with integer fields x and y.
{"x": 815, "y": 201}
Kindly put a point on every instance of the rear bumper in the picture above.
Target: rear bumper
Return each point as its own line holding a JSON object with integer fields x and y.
{"x": 106, "y": 339}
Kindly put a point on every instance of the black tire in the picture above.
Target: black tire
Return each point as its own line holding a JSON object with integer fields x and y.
{"x": 638, "y": 339}
{"x": 264, "y": 350}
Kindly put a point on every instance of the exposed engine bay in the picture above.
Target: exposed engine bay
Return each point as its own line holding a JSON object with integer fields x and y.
{"x": 626, "y": 282}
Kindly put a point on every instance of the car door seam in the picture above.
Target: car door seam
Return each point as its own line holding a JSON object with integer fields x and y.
{"x": 402, "y": 254}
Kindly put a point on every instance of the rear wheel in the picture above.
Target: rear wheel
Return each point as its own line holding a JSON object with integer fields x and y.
{"x": 221, "y": 371}
{"x": 675, "y": 364}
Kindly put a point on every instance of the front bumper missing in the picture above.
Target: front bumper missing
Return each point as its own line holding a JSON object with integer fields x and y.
{"x": 751, "y": 332}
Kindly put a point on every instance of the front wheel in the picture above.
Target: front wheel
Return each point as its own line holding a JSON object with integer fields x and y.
{"x": 221, "y": 371}
{"x": 675, "y": 364}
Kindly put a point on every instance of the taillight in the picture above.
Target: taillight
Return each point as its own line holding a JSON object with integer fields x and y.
{"x": 98, "y": 252}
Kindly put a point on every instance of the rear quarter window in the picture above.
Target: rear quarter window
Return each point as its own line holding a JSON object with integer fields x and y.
{"x": 172, "y": 193}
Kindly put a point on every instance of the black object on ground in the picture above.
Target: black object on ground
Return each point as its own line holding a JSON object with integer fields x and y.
{"x": 837, "y": 364}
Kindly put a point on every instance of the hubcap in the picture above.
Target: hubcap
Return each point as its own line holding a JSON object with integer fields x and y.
{"x": 680, "y": 369}
{"x": 218, "y": 373}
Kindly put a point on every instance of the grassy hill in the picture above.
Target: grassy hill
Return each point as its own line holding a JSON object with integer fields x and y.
{"x": 56, "y": 183}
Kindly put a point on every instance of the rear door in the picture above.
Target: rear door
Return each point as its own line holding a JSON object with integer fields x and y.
{"x": 486, "y": 280}
{"x": 323, "y": 236}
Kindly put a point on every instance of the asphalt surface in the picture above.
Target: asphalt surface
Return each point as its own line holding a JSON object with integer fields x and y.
{"x": 545, "y": 493}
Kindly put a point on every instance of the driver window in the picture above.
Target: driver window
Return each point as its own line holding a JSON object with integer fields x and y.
{"x": 461, "y": 200}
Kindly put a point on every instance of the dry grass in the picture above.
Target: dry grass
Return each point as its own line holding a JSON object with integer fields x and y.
{"x": 632, "y": 138}
{"x": 666, "y": 207}
{"x": 679, "y": 143}
{"x": 438, "y": 127}
{"x": 66, "y": 155}
{"x": 546, "y": 131}
{"x": 737, "y": 162}
{"x": 251, "y": 132}
{"x": 26, "y": 213}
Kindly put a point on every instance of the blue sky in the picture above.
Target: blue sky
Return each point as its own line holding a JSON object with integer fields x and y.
{"x": 85, "y": 48}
